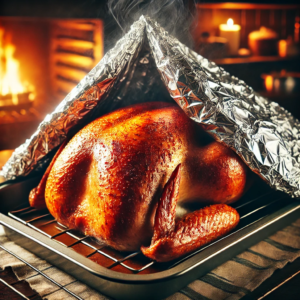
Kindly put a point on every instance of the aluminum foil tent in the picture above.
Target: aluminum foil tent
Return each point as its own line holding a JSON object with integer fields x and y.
{"x": 263, "y": 134}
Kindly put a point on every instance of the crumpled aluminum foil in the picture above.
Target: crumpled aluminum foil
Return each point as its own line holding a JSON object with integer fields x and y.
{"x": 261, "y": 132}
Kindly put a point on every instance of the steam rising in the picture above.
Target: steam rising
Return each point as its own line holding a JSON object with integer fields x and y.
{"x": 175, "y": 16}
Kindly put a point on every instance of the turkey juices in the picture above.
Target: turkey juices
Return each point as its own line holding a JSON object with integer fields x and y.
{"x": 108, "y": 179}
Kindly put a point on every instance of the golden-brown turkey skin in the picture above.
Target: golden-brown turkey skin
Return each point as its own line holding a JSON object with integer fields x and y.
{"x": 172, "y": 239}
{"x": 107, "y": 180}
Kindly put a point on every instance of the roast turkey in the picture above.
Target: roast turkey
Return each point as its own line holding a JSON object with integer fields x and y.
{"x": 108, "y": 179}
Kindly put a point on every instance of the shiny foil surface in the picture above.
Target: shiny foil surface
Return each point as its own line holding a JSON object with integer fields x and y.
{"x": 261, "y": 132}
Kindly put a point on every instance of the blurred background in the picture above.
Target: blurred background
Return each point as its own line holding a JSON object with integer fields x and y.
{"x": 47, "y": 47}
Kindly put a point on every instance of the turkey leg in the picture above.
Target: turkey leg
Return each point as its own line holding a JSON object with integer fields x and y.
{"x": 172, "y": 240}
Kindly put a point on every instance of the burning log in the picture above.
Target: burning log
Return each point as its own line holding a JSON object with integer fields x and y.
{"x": 11, "y": 101}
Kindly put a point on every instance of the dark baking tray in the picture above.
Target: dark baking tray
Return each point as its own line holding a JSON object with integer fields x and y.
{"x": 263, "y": 211}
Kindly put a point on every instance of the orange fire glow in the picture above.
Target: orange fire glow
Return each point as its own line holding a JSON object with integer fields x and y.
{"x": 10, "y": 82}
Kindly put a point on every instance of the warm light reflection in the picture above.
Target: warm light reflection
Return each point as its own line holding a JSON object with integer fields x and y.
{"x": 290, "y": 83}
{"x": 282, "y": 48}
{"x": 269, "y": 83}
{"x": 10, "y": 82}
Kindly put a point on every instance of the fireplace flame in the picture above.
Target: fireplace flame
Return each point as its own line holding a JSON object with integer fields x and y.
{"x": 10, "y": 81}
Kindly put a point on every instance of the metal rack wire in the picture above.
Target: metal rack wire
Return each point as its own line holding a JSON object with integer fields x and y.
{"x": 251, "y": 209}
{"x": 21, "y": 288}
{"x": 43, "y": 222}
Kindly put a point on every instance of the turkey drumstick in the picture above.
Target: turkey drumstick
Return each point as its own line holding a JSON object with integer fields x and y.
{"x": 171, "y": 240}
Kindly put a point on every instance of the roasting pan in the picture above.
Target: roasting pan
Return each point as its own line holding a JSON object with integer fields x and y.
{"x": 130, "y": 275}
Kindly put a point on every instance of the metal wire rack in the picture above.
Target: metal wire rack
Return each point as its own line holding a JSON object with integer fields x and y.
{"x": 20, "y": 289}
{"x": 43, "y": 222}
{"x": 251, "y": 209}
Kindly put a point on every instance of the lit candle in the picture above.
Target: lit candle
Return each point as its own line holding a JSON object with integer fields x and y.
{"x": 231, "y": 32}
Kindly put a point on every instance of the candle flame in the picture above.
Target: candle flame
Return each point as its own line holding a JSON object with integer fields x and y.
{"x": 230, "y": 22}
